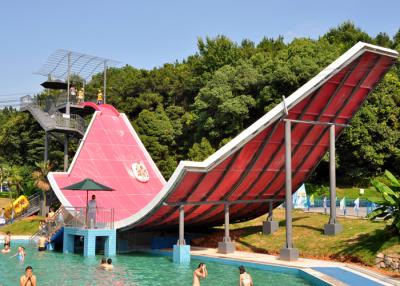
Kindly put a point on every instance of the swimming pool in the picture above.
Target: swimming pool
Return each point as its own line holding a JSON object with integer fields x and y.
{"x": 53, "y": 268}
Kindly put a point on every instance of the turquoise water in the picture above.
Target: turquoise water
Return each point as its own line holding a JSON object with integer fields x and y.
{"x": 53, "y": 268}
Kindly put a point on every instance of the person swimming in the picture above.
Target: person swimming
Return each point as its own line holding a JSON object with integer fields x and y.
{"x": 28, "y": 279}
{"x": 244, "y": 278}
{"x": 200, "y": 272}
{"x": 6, "y": 249}
{"x": 109, "y": 264}
{"x": 20, "y": 254}
{"x": 103, "y": 263}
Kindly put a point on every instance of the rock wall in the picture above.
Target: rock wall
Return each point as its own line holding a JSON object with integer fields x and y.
{"x": 390, "y": 262}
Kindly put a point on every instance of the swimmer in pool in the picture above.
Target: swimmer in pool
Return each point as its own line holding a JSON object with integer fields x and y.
{"x": 244, "y": 277}
{"x": 42, "y": 243}
{"x": 20, "y": 254}
{"x": 6, "y": 249}
{"x": 200, "y": 272}
{"x": 28, "y": 279}
{"x": 103, "y": 263}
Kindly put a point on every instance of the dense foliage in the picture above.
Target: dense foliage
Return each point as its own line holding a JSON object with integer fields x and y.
{"x": 187, "y": 110}
{"x": 389, "y": 209}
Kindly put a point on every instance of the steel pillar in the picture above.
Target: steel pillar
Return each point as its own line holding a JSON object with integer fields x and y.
{"x": 46, "y": 147}
{"x": 288, "y": 252}
{"x": 333, "y": 227}
{"x": 105, "y": 82}
{"x": 226, "y": 246}
{"x": 67, "y": 107}
{"x": 66, "y": 152}
{"x": 181, "y": 240}
{"x": 270, "y": 226}
{"x": 181, "y": 251}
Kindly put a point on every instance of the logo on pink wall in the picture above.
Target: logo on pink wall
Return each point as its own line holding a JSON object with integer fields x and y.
{"x": 140, "y": 172}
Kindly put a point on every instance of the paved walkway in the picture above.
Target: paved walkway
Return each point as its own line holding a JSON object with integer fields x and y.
{"x": 344, "y": 274}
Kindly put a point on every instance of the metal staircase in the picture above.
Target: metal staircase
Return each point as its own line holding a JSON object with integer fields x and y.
{"x": 50, "y": 119}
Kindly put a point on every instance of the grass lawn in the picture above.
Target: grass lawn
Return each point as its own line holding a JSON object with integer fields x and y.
{"x": 360, "y": 240}
{"x": 27, "y": 226}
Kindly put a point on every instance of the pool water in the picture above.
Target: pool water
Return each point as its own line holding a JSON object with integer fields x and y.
{"x": 54, "y": 268}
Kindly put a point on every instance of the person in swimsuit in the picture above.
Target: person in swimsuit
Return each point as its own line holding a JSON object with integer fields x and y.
{"x": 28, "y": 279}
{"x": 7, "y": 243}
{"x": 103, "y": 263}
{"x": 200, "y": 272}
{"x": 244, "y": 277}
{"x": 7, "y": 239}
{"x": 20, "y": 254}
{"x": 42, "y": 243}
{"x": 6, "y": 249}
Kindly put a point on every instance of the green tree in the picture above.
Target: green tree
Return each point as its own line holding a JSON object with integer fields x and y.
{"x": 41, "y": 182}
{"x": 201, "y": 151}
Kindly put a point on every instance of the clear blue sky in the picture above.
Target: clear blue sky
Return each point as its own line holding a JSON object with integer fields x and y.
{"x": 148, "y": 33}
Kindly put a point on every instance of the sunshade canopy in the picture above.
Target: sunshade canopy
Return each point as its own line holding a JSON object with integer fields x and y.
{"x": 87, "y": 185}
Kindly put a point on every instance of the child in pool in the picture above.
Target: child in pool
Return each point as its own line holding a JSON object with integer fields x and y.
{"x": 21, "y": 254}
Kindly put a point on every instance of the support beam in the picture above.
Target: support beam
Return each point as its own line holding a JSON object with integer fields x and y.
{"x": 181, "y": 240}
{"x": 226, "y": 246}
{"x": 105, "y": 82}
{"x": 68, "y": 107}
{"x": 46, "y": 147}
{"x": 66, "y": 152}
{"x": 288, "y": 252}
{"x": 181, "y": 251}
{"x": 333, "y": 227}
{"x": 270, "y": 226}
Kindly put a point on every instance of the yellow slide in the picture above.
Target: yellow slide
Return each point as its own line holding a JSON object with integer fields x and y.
{"x": 19, "y": 205}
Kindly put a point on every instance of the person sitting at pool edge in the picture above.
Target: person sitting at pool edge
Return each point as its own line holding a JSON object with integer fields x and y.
{"x": 28, "y": 279}
{"x": 244, "y": 278}
{"x": 200, "y": 272}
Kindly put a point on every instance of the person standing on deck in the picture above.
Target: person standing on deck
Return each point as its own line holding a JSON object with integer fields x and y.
{"x": 92, "y": 209}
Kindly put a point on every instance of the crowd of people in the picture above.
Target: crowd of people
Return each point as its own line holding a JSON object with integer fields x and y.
{"x": 28, "y": 279}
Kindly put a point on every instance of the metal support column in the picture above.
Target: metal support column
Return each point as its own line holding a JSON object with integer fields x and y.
{"x": 227, "y": 238}
{"x": 226, "y": 246}
{"x": 67, "y": 108}
{"x": 46, "y": 147}
{"x": 181, "y": 240}
{"x": 181, "y": 251}
{"x": 333, "y": 227}
{"x": 270, "y": 211}
{"x": 66, "y": 152}
{"x": 270, "y": 226}
{"x": 105, "y": 82}
{"x": 288, "y": 252}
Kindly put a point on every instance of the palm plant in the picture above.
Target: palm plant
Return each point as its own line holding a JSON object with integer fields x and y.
{"x": 390, "y": 203}
{"x": 15, "y": 179}
{"x": 40, "y": 178}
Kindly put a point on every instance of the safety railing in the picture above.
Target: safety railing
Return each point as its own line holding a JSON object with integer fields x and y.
{"x": 73, "y": 121}
{"x": 78, "y": 217}
{"x": 61, "y": 120}
{"x": 83, "y": 217}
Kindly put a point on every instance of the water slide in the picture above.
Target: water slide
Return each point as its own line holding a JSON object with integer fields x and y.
{"x": 248, "y": 168}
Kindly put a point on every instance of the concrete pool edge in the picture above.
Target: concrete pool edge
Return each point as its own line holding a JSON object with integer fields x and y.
{"x": 308, "y": 274}
{"x": 303, "y": 267}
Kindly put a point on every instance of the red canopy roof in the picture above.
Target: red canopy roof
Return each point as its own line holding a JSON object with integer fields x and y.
{"x": 249, "y": 167}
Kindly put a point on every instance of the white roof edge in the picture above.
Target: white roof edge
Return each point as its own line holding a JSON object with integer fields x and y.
{"x": 255, "y": 128}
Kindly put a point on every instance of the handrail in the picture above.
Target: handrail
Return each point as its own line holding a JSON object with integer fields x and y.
{"x": 72, "y": 121}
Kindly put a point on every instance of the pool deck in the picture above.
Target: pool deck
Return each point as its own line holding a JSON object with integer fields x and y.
{"x": 349, "y": 274}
